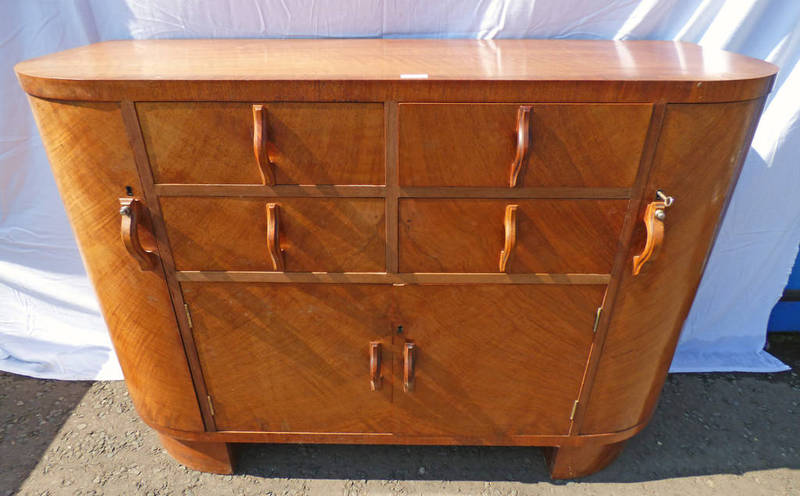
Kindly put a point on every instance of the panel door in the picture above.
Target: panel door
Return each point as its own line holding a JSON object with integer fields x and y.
{"x": 292, "y": 358}
{"x": 699, "y": 155}
{"x": 492, "y": 361}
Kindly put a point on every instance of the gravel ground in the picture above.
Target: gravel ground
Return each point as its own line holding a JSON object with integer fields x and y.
{"x": 729, "y": 434}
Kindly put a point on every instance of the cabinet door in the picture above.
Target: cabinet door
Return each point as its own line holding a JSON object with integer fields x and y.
{"x": 293, "y": 358}
{"x": 699, "y": 155}
{"x": 493, "y": 361}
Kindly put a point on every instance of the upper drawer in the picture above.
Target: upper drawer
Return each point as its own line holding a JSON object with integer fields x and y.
{"x": 306, "y": 143}
{"x": 544, "y": 236}
{"x": 311, "y": 234}
{"x": 568, "y": 145}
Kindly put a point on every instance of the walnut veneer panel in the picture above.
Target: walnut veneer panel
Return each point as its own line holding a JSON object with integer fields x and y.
{"x": 699, "y": 156}
{"x": 361, "y": 70}
{"x": 377, "y": 172}
{"x": 316, "y": 234}
{"x": 494, "y": 361}
{"x": 474, "y": 145}
{"x": 292, "y": 358}
{"x": 93, "y": 163}
{"x": 555, "y": 236}
{"x": 309, "y": 143}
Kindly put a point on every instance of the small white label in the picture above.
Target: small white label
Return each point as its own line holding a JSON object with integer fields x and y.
{"x": 413, "y": 76}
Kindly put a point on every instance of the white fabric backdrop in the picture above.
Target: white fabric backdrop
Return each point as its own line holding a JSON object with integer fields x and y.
{"x": 49, "y": 320}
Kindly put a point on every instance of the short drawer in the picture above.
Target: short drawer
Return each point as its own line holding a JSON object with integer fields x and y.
{"x": 567, "y": 145}
{"x": 304, "y": 143}
{"x": 550, "y": 236}
{"x": 311, "y": 234}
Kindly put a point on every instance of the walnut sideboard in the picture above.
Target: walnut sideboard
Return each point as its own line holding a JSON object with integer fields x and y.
{"x": 395, "y": 241}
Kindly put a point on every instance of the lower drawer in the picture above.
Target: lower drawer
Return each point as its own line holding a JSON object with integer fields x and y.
{"x": 311, "y": 234}
{"x": 550, "y": 236}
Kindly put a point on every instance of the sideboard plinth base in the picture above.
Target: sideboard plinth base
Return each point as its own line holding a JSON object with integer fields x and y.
{"x": 572, "y": 462}
{"x": 197, "y": 455}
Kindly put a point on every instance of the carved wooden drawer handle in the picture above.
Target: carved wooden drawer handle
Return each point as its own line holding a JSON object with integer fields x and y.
{"x": 375, "y": 379}
{"x": 510, "y": 225}
{"x": 261, "y": 145}
{"x": 523, "y": 143}
{"x": 135, "y": 217}
{"x": 654, "y": 216}
{"x": 273, "y": 237}
{"x": 409, "y": 359}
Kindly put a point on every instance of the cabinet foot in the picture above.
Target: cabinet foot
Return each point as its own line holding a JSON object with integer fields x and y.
{"x": 570, "y": 462}
{"x": 203, "y": 456}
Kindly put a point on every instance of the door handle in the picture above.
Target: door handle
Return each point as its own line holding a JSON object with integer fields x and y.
{"x": 523, "y": 143}
{"x": 409, "y": 363}
{"x": 135, "y": 217}
{"x": 375, "y": 379}
{"x": 261, "y": 145}
{"x": 654, "y": 216}
{"x": 273, "y": 237}
{"x": 510, "y": 226}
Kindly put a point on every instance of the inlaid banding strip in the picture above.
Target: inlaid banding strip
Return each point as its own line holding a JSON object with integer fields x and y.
{"x": 359, "y": 191}
{"x": 386, "y": 278}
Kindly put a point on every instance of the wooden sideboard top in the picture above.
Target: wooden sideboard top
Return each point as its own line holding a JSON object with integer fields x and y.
{"x": 380, "y": 69}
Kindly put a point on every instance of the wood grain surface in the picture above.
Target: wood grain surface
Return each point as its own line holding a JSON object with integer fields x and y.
{"x": 698, "y": 158}
{"x": 552, "y": 236}
{"x": 93, "y": 163}
{"x": 474, "y": 145}
{"x": 392, "y": 164}
{"x": 317, "y": 234}
{"x": 620, "y": 264}
{"x": 205, "y": 456}
{"x": 183, "y": 319}
{"x": 493, "y": 361}
{"x": 293, "y": 358}
{"x": 391, "y": 278}
{"x": 570, "y": 462}
{"x": 309, "y": 143}
{"x": 373, "y": 70}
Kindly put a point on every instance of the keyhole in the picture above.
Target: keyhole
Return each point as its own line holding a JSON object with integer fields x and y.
{"x": 399, "y": 329}
{"x": 128, "y": 191}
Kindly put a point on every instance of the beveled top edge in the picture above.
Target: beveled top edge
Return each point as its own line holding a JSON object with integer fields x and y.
{"x": 394, "y": 59}
{"x": 396, "y": 69}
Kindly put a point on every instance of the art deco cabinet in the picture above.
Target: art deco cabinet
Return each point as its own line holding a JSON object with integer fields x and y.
{"x": 395, "y": 241}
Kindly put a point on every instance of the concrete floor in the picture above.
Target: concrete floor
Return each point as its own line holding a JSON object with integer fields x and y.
{"x": 728, "y": 434}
